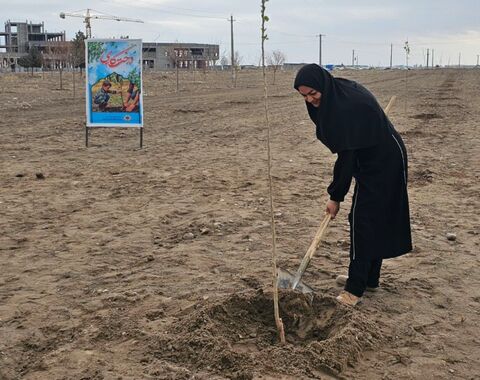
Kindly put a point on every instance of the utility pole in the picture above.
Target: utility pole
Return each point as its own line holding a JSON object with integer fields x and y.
{"x": 433, "y": 56}
{"x": 391, "y": 55}
{"x": 459, "y": 59}
{"x": 232, "y": 49}
{"x": 478, "y": 59}
{"x": 353, "y": 58}
{"x": 428, "y": 56}
{"x": 88, "y": 26}
{"x": 407, "y": 52}
{"x": 406, "y": 47}
{"x": 320, "y": 48}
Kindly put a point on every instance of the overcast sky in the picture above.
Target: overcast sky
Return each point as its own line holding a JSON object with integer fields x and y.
{"x": 368, "y": 26}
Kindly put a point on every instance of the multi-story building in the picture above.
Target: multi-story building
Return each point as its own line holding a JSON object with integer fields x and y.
{"x": 19, "y": 37}
{"x": 164, "y": 56}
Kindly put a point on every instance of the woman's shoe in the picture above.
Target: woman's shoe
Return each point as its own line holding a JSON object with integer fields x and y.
{"x": 341, "y": 280}
{"x": 349, "y": 299}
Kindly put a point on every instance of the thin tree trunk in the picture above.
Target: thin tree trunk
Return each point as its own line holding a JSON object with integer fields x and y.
{"x": 176, "y": 66}
{"x": 276, "y": 309}
{"x": 73, "y": 75}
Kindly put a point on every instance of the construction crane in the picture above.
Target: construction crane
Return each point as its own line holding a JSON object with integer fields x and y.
{"x": 87, "y": 16}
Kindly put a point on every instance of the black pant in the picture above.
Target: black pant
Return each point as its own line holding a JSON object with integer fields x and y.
{"x": 363, "y": 274}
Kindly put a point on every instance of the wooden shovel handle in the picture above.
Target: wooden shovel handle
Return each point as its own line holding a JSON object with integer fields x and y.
{"x": 311, "y": 250}
{"x": 390, "y": 104}
{"x": 318, "y": 236}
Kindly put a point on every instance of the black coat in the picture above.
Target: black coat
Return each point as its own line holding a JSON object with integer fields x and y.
{"x": 352, "y": 124}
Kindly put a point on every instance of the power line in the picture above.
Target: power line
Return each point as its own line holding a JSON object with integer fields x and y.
{"x": 190, "y": 10}
{"x": 294, "y": 35}
{"x": 161, "y": 9}
{"x": 277, "y": 43}
{"x": 191, "y": 15}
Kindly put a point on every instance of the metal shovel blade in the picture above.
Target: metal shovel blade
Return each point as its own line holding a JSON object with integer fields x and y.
{"x": 285, "y": 281}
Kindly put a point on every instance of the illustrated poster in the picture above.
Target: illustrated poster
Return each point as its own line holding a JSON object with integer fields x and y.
{"x": 114, "y": 83}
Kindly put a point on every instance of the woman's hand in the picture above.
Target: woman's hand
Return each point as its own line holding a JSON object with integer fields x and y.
{"x": 332, "y": 208}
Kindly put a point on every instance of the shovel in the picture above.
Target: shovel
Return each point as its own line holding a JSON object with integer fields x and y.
{"x": 286, "y": 280}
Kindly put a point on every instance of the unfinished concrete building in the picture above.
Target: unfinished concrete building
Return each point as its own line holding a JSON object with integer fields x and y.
{"x": 164, "y": 56}
{"x": 19, "y": 37}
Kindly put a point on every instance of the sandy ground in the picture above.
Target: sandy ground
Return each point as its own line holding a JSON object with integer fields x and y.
{"x": 123, "y": 263}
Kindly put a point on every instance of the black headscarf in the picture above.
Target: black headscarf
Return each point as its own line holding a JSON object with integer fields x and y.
{"x": 349, "y": 117}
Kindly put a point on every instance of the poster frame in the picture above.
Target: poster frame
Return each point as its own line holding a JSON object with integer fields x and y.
{"x": 88, "y": 123}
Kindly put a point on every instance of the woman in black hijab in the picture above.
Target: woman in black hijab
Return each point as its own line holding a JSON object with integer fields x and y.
{"x": 350, "y": 122}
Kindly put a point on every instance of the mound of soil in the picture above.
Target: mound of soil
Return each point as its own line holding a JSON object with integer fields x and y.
{"x": 237, "y": 336}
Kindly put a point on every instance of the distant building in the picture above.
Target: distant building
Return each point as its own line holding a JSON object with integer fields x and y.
{"x": 19, "y": 37}
{"x": 249, "y": 67}
{"x": 293, "y": 66}
{"x": 165, "y": 56}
